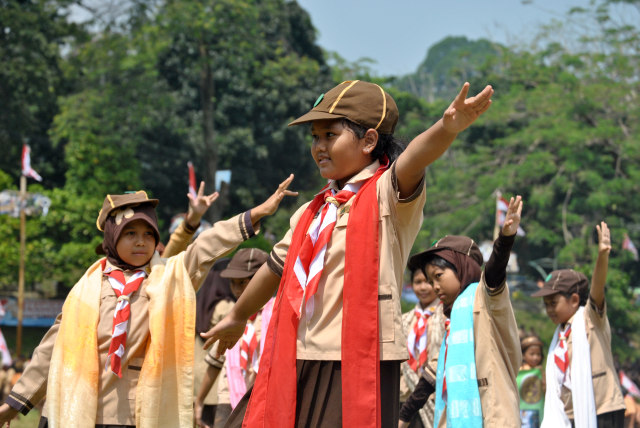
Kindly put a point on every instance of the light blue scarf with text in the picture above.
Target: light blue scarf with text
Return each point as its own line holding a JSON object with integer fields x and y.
{"x": 462, "y": 401}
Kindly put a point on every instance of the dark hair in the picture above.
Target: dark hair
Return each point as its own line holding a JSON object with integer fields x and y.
{"x": 387, "y": 144}
{"x": 438, "y": 261}
{"x": 582, "y": 292}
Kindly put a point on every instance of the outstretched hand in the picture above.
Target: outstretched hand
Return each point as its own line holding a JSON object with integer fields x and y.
{"x": 512, "y": 218}
{"x": 199, "y": 204}
{"x": 604, "y": 237}
{"x": 464, "y": 111}
{"x": 227, "y": 332}
{"x": 271, "y": 205}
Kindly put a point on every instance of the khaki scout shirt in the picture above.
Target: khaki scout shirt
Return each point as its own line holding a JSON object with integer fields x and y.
{"x": 435, "y": 333}
{"x": 116, "y": 396}
{"x": 498, "y": 356}
{"x": 220, "y": 363}
{"x": 221, "y": 310}
{"x": 606, "y": 385}
{"x": 319, "y": 338}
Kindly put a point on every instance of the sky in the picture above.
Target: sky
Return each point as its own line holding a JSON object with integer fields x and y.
{"x": 398, "y": 33}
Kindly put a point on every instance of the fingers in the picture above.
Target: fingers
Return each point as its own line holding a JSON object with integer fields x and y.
{"x": 462, "y": 95}
{"x": 285, "y": 184}
{"x": 201, "y": 189}
{"x": 212, "y": 197}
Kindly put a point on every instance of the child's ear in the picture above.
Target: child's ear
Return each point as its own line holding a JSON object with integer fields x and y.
{"x": 370, "y": 140}
{"x": 574, "y": 300}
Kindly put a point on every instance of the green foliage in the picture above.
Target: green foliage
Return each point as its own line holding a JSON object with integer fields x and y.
{"x": 31, "y": 80}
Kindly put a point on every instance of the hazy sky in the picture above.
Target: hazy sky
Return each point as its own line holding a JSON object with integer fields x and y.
{"x": 398, "y": 33}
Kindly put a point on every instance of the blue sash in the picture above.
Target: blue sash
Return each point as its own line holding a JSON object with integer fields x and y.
{"x": 463, "y": 398}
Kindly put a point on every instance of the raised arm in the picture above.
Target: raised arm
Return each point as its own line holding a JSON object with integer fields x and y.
{"x": 432, "y": 143}
{"x": 599, "y": 277}
{"x": 495, "y": 271}
{"x": 179, "y": 240}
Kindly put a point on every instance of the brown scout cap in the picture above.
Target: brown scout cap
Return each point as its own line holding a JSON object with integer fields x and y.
{"x": 364, "y": 103}
{"x": 113, "y": 202}
{"x": 563, "y": 281}
{"x": 245, "y": 263}
{"x": 460, "y": 244}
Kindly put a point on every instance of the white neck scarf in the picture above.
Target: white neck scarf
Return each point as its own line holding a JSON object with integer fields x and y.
{"x": 584, "y": 407}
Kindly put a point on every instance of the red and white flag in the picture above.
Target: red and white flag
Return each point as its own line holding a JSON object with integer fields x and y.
{"x": 502, "y": 206}
{"x": 192, "y": 180}
{"x": 27, "y": 171}
{"x": 4, "y": 351}
{"x": 627, "y": 244}
{"x": 629, "y": 385}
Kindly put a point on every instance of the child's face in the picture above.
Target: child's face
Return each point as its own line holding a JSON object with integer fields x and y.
{"x": 445, "y": 283}
{"x": 422, "y": 288}
{"x": 337, "y": 151}
{"x": 136, "y": 243}
{"x": 560, "y": 308}
{"x": 532, "y": 356}
{"x": 238, "y": 285}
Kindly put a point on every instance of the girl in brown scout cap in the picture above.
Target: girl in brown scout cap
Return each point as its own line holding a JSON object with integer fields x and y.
{"x": 334, "y": 347}
{"x": 583, "y": 389}
{"x": 121, "y": 352}
{"x": 475, "y": 380}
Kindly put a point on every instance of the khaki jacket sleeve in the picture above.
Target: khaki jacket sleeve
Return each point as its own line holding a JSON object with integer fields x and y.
{"x": 32, "y": 385}
{"x": 214, "y": 243}
{"x": 179, "y": 240}
{"x": 278, "y": 255}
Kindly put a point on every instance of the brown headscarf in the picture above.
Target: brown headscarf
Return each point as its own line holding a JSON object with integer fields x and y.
{"x": 468, "y": 270}
{"x": 115, "y": 223}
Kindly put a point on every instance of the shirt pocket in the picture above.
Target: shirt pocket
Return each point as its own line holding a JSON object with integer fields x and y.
{"x": 134, "y": 367}
{"x": 386, "y": 314}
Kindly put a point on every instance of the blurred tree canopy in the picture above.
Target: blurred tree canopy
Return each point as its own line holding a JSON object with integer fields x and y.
{"x": 123, "y": 99}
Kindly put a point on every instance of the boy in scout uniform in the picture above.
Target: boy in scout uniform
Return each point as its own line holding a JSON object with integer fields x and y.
{"x": 121, "y": 351}
{"x": 583, "y": 389}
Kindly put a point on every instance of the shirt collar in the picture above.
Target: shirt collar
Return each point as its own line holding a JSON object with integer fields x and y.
{"x": 363, "y": 175}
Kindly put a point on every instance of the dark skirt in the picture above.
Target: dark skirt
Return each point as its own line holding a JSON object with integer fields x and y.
{"x": 613, "y": 419}
{"x": 319, "y": 395}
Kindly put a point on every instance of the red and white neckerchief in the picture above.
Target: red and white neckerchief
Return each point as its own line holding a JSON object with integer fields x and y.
{"x": 561, "y": 357}
{"x": 310, "y": 262}
{"x": 447, "y": 325}
{"x": 121, "y": 315}
{"x": 417, "y": 340}
{"x": 248, "y": 346}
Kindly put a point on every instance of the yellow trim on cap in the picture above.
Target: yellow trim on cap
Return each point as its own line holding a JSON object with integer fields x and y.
{"x": 98, "y": 221}
{"x": 384, "y": 108}
{"x": 335, "y": 104}
{"x": 111, "y": 201}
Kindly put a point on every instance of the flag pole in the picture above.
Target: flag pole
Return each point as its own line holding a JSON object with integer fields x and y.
{"x": 23, "y": 236}
{"x": 496, "y": 225}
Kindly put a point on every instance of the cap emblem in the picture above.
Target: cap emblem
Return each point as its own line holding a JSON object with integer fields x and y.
{"x": 318, "y": 100}
{"x": 122, "y": 213}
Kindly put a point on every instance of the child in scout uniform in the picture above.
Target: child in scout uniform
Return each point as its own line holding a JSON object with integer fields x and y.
{"x": 235, "y": 370}
{"x": 335, "y": 343}
{"x": 583, "y": 389}
{"x": 475, "y": 379}
{"x": 530, "y": 382}
{"x": 121, "y": 352}
{"x": 422, "y": 334}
